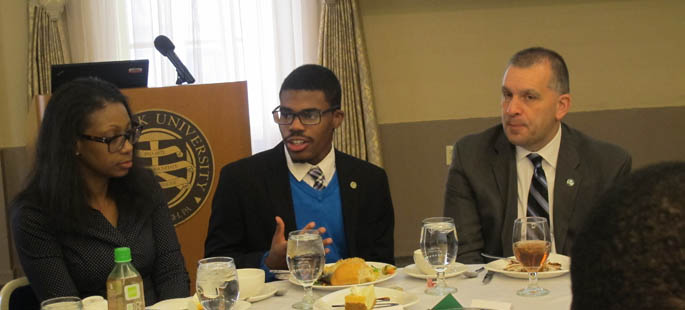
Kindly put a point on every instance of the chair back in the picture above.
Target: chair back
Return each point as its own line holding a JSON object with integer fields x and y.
{"x": 18, "y": 295}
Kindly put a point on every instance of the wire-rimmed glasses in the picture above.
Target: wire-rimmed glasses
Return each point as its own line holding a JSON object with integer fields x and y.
{"x": 284, "y": 116}
{"x": 116, "y": 143}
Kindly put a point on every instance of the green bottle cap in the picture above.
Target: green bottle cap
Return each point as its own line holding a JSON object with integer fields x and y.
{"x": 122, "y": 255}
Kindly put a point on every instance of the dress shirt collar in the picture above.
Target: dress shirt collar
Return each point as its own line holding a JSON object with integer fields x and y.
{"x": 549, "y": 152}
{"x": 299, "y": 170}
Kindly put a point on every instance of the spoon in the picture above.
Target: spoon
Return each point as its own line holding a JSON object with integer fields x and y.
{"x": 473, "y": 274}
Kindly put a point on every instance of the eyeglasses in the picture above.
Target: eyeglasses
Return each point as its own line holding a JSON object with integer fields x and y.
{"x": 307, "y": 117}
{"x": 116, "y": 143}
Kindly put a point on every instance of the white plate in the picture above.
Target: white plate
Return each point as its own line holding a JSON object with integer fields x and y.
{"x": 452, "y": 271}
{"x": 338, "y": 298}
{"x": 382, "y": 277}
{"x": 266, "y": 292}
{"x": 498, "y": 266}
{"x": 184, "y": 303}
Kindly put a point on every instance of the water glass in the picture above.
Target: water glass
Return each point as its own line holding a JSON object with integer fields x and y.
{"x": 439, "y": 248}
{"x": 531, "y": 245}
{"x": 62, "y": 303}
{"x": 217, "y": 283}
{"x": 306, "y": 259}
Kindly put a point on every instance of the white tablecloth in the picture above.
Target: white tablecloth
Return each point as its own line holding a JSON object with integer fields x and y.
{"x": 501, "y": 288}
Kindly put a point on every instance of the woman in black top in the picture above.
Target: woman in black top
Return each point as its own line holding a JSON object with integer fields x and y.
{"x": 87, "y": 195}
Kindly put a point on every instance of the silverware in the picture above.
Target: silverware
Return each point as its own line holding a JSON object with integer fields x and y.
{"x": 280, "y": 271}
{"x": 492, "y": 256}
{"x": 280, "y": 274}
{"x": 473, "y": 274}
{"x": 383, "y": 305}
{"x": 281, "y": 291}
{"x": 488, "y": 277}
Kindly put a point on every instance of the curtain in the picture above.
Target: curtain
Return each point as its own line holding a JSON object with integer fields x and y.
{"x": 342, "y": 49}
{"x": 260, "y": 41}
{"x": 47, "y": 44}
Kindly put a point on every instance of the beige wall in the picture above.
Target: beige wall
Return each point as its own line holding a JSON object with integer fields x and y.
{"x": 437, "y": 65}
{"x": 13, "y": 59}
{"x": 444, "y": 59}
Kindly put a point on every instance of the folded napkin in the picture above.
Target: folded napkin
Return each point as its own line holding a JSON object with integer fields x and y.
{"x": 448, "y": 303}
{"x": 489, "y": 304}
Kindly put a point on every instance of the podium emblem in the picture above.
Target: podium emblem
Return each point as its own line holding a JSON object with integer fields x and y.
{"x": 177, "y": 151}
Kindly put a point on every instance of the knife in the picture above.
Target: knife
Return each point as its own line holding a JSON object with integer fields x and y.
{"x": 488, "y": 277}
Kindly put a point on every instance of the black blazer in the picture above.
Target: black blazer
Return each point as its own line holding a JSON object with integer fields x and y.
{"x": 252, "y": 191}
{"x": 482, "y": 189}
{"x": 78, "y": 263}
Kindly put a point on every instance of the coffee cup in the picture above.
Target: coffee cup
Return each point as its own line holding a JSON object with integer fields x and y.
{"x": 94, "y": 303}
{"x": 251, "y": 282}
{"x": 422, "y": 264}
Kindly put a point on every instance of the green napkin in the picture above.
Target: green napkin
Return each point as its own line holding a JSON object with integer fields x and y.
{"x": 448, "y": 303}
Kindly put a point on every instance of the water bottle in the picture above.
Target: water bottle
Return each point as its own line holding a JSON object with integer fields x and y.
{"x": 124, "y": 284}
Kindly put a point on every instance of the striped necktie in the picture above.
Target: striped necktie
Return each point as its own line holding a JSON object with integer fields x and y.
{"x": 318, "y": 177}
{"x": 538, "y": 204}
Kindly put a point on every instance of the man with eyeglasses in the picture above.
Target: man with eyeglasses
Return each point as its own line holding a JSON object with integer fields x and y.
{"x": 303, "y": 182}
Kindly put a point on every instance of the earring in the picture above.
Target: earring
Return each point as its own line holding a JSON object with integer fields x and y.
{"x": 78, "y": 154}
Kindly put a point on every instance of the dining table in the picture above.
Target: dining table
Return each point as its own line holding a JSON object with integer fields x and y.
{"x": 501, "y": 289}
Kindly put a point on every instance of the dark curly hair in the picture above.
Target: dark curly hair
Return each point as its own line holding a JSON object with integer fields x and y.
{"x": 55, "y": 183}
{"x": 631, "y": 251}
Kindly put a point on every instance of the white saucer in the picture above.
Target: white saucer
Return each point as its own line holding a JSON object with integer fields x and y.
{"x": 267, "y": 291}
{"x": 188, "y": 303}
{"x": 565, "y": 261}
{"x": 452, "y": 271}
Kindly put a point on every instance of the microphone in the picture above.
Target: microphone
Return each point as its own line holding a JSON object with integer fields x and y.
{"x": 166, "y": 48}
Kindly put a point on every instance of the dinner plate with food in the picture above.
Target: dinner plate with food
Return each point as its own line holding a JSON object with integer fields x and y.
{"x": 350, "y": 272}
{"x": 365, "y": 297}
{"x": 555, "y": 266}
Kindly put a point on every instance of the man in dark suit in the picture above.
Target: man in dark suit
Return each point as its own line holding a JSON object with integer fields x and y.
{"x": 303, "y": 182}
{"x": 530, "y": 165}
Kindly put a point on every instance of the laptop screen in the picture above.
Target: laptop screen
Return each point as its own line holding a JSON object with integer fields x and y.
{"x": 123, "y": 74}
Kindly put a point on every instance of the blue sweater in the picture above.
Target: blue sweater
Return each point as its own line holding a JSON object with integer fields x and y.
{"x": 325, "y": 209}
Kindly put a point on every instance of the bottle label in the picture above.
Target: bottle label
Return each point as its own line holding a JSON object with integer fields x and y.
{"x": 132, "y": 291}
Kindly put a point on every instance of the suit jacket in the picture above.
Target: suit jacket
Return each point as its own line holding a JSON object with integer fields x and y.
{"x": 252, "y": 191}
{"x": 481, "y": 193}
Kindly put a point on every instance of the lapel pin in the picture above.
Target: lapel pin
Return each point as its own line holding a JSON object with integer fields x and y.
{"x": 353, "y": 185}
{"x": 570, "y": 182}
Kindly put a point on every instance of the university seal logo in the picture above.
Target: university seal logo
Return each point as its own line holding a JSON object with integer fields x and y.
{"x": 176, "y": 150}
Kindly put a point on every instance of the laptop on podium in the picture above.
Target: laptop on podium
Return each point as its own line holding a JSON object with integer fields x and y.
{"x": 123, "y": 74}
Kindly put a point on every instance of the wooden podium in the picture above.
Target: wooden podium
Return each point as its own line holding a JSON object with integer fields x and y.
{"x": 190, "y": 133}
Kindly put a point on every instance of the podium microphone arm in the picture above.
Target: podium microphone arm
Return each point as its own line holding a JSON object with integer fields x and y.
{"x": 166, "y": 48}
{"x": 183, "y": 73}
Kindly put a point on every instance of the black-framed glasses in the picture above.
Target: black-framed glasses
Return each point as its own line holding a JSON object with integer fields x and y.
{"x": 307, "y": 117}
{"x": 116, "y": 143}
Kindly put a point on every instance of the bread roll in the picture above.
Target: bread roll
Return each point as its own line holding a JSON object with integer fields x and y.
{"x": 352, "y": 271}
